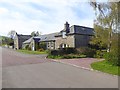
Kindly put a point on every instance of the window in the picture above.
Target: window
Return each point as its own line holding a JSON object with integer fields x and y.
{"x": 63, "y": 34}
{"x": 48, "y": 44}
{"x": 63, "y": 45}
{"x": 52, "y": 44}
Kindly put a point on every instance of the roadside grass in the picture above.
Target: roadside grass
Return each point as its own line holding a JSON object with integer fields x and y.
{"x": 106, "y": 67}
{"x": 32, "y": 52}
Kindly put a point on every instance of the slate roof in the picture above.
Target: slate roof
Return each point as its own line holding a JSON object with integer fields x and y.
{"x": 46, "y": 37}
{"x": 23, "y": 36}
{"x": 28, "y": 41}
{"x": 76, "y": 29}
{"x": 83, "y": 30}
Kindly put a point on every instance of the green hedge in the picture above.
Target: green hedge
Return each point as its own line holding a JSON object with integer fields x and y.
{"x": 86, "y": 51}
{"x": 63, "y": 51}
{"x": 81, "y": 51}
{"x": 67, "y": 56}
{"x": 113, "y": 58}
{"x": 100, "y": 54}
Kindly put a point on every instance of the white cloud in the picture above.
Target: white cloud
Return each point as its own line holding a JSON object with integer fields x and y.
{"x": 3, "y": 10}
{"x": 25, "y": 18}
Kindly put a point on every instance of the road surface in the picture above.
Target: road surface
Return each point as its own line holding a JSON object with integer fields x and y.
{"x": 34, "y": 71}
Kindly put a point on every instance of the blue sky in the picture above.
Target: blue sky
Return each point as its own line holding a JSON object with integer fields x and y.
{"x": 46, "y": 16}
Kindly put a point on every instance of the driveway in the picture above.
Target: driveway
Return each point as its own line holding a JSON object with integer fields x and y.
{"x": 34, "y": 71}
{"x": 80, "y": 62}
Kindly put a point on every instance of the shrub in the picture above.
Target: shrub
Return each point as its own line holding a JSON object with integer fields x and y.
{"x": 72, "y": 53}
{"x": 42, "y": 45}
{"x": 54, "y": 57}
{"x": 86, "y": 51}
{"x": 70, "y": 56}
{"x": 54, "y": 52}
{"x": 63, "y": 51}
{"x": 99, "y": 54}
{"x": 67, "y": 56}
{"x": 112, "y": 57}
{"x": 41, "y": 49}
{"x": 69, "y": 50}
{"x": 90, "y": 53}
{"x": 82, "y": 50}
{"x": 29, "y": 48}
{"x": 26, "y": 47}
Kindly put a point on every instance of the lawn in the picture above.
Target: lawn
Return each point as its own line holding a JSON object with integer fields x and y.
{"x": 106, "y": 67}
{"x": 32, "y": 52}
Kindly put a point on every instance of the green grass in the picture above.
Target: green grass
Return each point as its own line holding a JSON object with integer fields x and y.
{"x": 54, "y": 57}
{"x": 106, "y": 67}
{"x": 32, "y": 52}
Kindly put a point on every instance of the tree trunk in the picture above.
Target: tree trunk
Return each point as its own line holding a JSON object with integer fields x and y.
{"x": 109, "y": 40}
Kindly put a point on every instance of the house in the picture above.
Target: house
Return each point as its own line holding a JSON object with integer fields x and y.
{"x": 19, "y": 39}
{"x": 75, "y": 36}
{"x": 48, "y": 39}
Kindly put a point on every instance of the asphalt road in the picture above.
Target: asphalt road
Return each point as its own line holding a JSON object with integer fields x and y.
{"x": 33, "y": 71}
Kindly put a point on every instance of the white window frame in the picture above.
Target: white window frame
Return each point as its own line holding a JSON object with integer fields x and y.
{"x": 64, "y": 35}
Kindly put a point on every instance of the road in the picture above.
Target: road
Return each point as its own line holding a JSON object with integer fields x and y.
{"x": 34, "y": 71}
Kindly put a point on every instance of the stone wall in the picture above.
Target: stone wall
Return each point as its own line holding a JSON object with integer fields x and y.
{"x": 69, "y": 40}
{"x": 50, "y": 45}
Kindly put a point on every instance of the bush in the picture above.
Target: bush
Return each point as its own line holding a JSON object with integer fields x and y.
{"x": 82, "y": 50}
{"x": 112, "y": 57}
{"x": 72, "y": 53}
{"x": 41, "y": 49}
{"x": 69, "y": 50}
{"x": 54, "y": 52}
{"x": 63, "y": 51}
{"x": 26, "y": 47}
{"x": 29, "y": 48}
{"x": 70, "y": 56}
{"x": 86, "y": 51}
{"x": 99, "y": 54}
{"x": 67, "y": 56}
{"x": 43, "y": 45}
{"x": 54, "y": 57}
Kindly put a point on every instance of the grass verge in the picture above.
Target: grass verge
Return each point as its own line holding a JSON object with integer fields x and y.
{"x": 106, "y": 67}
{"x": 32, "y": 52}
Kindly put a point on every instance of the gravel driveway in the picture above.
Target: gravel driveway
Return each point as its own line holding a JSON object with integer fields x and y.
{"x": 81, "y": 62}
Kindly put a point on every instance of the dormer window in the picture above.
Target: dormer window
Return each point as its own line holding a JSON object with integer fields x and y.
{"x": 63, "y": 34}
{"x": 45, "y": 37}
{"x": 83, "y": 28}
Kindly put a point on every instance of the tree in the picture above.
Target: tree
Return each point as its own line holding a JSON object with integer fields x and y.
{"x": 35, "y": 33}
{"x": 99, "y": 41}
{"x": 106, "y": 17}
{"x": 7, "y": 40}
{"x": 11, "y": 34}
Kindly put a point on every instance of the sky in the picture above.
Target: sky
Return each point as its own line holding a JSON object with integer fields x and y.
{"x": 45, "y": 16}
